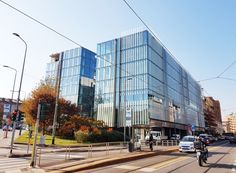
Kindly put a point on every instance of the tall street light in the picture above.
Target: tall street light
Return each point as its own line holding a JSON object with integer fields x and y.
{"x": 18, "y": 98}
{"x": 13, "y": 89}
{"x": 125, "y": 110}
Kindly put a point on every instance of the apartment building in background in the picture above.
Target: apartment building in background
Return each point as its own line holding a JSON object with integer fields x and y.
{"x": 212, "y": 114}
{"x": 75, "y": 70}
{"x": 229, "y": 123}
{"x": 140, "y": 84}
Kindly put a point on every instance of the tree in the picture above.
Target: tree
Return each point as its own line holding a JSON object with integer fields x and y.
{"x": 46, "y": 93}
{"x": 79, "y": 123}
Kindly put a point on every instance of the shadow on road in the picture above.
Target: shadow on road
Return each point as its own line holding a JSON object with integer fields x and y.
{"x": 218, "y": 165}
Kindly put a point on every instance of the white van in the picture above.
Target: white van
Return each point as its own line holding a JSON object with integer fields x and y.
{"x": 156, "y": 136}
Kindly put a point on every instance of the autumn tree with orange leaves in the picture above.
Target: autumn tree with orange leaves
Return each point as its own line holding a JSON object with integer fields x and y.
{"x": 46, "y": 93}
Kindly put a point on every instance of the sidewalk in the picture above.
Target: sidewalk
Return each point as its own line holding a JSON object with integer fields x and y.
{"x": 98, "y": 161}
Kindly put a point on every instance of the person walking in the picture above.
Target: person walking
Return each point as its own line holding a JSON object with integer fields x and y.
{"x": 151, "y": 142}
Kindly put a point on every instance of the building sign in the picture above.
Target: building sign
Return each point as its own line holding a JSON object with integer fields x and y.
{"x": 7, "y": 108}
{"x": 128, "y": 117}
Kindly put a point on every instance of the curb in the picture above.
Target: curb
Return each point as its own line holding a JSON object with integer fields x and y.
{"x": 109, "y": 161}
{"x": 18, "y": 155}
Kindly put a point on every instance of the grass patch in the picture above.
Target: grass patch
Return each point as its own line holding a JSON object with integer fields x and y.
{"x": 24, "y": 138}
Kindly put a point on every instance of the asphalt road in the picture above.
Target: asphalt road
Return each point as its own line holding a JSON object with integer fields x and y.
{"x": 222, "y": 159}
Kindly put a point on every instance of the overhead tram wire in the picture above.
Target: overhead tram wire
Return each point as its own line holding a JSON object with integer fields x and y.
{"x": 67, "y": 38}
{"x": 207, "y": 79}
{"x": 219, "y": 76}
{"x": 226, "y": 69}
{"x": 37, "y": 21}
{"x": 226, "y": 78}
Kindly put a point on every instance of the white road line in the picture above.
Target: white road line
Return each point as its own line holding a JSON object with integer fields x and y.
{"x": 128, "y": 167}
{"x": 13, "y": 165}
{"x": 147, "y": 169}
{"x": 234, "y": 165}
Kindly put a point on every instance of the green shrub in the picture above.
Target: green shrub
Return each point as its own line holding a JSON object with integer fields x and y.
{"x": 81, "y": 136}
{"x": 105, "y": 136}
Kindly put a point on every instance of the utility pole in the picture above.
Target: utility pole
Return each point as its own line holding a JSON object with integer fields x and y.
{"x": 18, "y": 98}
{"x": 57, "y": 99}
{"x": 33, "y": 158}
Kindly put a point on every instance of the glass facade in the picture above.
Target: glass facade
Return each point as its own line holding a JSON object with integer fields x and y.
{"x": 136, "y": 72}
{"x": 76, "y": 68}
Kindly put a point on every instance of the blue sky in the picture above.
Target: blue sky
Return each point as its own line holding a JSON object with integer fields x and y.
{"x": 201, "y": 34}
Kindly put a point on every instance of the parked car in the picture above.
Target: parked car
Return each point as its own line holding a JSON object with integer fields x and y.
{"x": 232, "y": 139}
{"x": 211, "y": 138}
{"x": 175, "y": 137}
{"x": 187, "y": 144}
{"x": 205, "y": 138}
{"x": 5, "y": 128}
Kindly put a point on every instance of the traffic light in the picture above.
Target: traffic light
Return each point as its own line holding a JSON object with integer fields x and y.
{"x": 14, "y": 115}
{"x": 21, "y": 116}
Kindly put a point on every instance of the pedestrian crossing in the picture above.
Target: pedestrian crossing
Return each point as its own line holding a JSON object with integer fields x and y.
{"x": 13, "y": 165}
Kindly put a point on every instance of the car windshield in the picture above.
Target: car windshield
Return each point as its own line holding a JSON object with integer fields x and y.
{"x": 188, "y": 139}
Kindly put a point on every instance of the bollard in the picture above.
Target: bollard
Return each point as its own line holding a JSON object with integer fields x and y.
{"x": 39, "y": 154}
{"x": 90, "y": 151}
{"x": 69, "y": 152}
{"x": 107, "y": 148}
{"x": 108, "y": 145}
{"x": 66, "y": 154}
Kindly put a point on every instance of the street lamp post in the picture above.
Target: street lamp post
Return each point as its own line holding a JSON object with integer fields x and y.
{"x": 13, "y": 89}
{"x": 125, "y": 109}
{"x": 56, "y": 102}
{"x": 18, "y": 98}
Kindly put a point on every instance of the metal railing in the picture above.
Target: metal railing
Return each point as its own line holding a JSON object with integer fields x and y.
{"x": 46, "y": 155}
{"x": 84, "y": 151}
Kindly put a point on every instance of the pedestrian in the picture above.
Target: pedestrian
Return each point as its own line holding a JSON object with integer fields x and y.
{"x": 151, "y": 142}
{"x": 42, "y": 139}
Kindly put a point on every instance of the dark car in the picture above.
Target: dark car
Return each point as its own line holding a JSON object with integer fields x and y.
{"x": 232, "y": 139}
{"x": 206, "y": 140}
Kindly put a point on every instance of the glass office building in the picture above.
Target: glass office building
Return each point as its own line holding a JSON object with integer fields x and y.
{"x": 137, "y": 78}
{"x": 76, "y": 70}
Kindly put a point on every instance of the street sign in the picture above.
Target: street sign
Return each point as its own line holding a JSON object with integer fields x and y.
{"x": 4, "y": 116}
{"x": 128, "y": 117}
{"x": 193, "y": 128}
{"x": 7, "y": 107}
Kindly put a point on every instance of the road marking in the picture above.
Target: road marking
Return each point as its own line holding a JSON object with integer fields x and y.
{"x": 13, "y": 164}
{"x": 147, "y": 169}
{"x": 234, "y": 165}
{"x": 169, "y": 162}
{"x": 127, "y": 167}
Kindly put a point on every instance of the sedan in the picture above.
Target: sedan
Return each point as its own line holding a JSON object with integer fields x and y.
{"x": 232, "y": 139}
